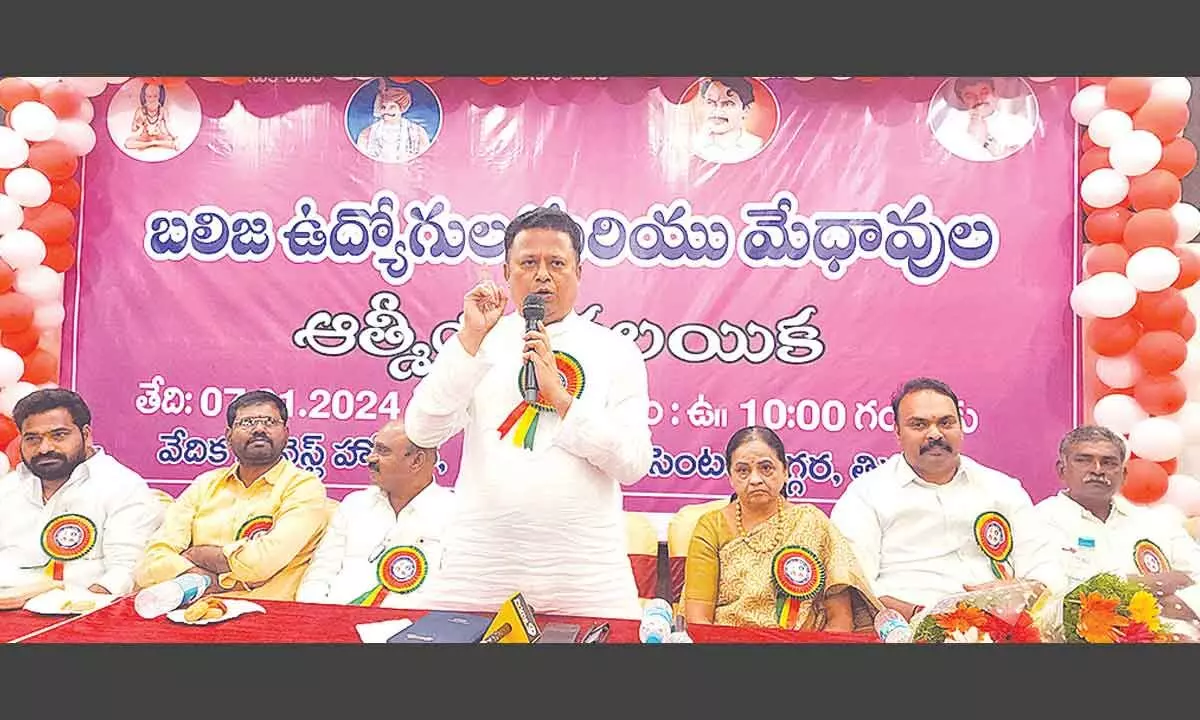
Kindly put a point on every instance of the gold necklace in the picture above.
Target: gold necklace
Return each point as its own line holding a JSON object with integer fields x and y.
{"x": 773, "y": 520}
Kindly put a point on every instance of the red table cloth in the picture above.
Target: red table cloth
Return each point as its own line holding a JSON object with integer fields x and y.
{"x": 16, "y": 624}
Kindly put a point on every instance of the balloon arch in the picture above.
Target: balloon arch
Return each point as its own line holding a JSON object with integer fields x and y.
{"x": 1138, "y": 366}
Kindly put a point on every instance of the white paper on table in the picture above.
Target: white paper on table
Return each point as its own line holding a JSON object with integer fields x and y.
{"x": 379, "y": 632}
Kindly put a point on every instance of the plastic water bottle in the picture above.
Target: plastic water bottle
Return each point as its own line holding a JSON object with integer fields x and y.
{"x": 657, "y": 622}
{"x": 680, "y": 634}
{"x": 892, "y": 627}
{"x": 166, "y": 596}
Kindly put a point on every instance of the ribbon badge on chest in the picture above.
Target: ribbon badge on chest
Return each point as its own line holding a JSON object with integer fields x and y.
{"x": 255, "y": 526}
{"x": 524, "y": 417}
{"x": 994, "y": 536}
{"x": 1149, "y": 558}
{"x": 799, "y": 576}
{"x": 400, "y": 570}
{"x": 65, "y": 538}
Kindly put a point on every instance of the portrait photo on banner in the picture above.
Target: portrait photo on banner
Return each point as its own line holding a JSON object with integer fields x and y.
{"x": 983, "y": 119}
{"x": 393, "y": 122}
{"x": 151, "y": 122}
{"x": 730, "y": 119}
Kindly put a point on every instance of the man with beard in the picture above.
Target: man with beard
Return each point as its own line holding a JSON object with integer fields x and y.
{"x": 1097, "y": 530}
{"x": 383, "y": 542}
{"x": 70, "y": 512}
{"x": 725, "y": 105}
{"x": 930, "y": 522}
{"x": 981, "y": 130}
{"x": 250, "y": 528}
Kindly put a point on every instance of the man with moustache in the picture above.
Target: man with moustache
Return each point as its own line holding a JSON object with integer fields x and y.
{"x": 385, "y": 541}
{"x": 70, "y": 512}
{"x": 250, "y": 528}
{"x": 983, "y": 131}
{"x": 930, "y": 522}
{"x": 539, "y": 489}
{"x": 725, "y": 104}
{"x": 1097, "y": 530}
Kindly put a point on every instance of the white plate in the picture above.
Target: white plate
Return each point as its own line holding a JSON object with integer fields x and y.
{"x": 234, "y": 609}
{"x": 55, "y": 602}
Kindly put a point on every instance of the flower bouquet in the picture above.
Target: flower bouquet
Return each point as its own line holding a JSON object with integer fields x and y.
{"x": 1004, "y": 614}
{"x": 1107, "y": 609}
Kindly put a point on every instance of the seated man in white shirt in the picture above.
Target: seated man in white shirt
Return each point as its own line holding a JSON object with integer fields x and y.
{"x": 384, "y": 541}
{"x": 984, "y": 131}
{"x": 931, "y": 522}
{"x": 70, "y": 513}
{"x": 1097, "y": 530}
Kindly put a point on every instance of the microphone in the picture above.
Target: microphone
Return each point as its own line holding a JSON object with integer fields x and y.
{"x": 513, "y": 623}
{"x": 534, "y": 311}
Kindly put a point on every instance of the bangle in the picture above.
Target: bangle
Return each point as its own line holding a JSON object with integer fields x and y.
{"x": 917, "y": 609}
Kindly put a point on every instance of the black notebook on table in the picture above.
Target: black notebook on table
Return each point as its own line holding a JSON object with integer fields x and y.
{"x": 444, "y": 627}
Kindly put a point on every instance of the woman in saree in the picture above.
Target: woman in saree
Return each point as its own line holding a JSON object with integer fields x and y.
{"x": 761, "y": 561}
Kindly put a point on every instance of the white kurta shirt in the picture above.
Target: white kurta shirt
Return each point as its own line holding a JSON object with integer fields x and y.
{"x": 1089, "y": 546}
{"x": 113, "y": 498}
{"x": 916, "y": 541}
{"x": 346, "y": 563}
{"x": 546, "y": 522}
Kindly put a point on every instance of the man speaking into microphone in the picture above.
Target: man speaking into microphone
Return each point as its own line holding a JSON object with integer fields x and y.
{"x": 554, "y": 412}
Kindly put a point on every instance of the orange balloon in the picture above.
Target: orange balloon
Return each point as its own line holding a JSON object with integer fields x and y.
{"x": 1111, "y": 257}
{"x": 54, "y": 159}
{"x": 60, "y": 257}
{"x": 1160, "y": 351}
{"x": 8, "y": 430}
{"x": 52, "y": 222}
{"x": 63, "y": 99}
{"x": 1170, "y": 465}
{"x": 399, "y": 79}
{"x": 66, "y": 192}
{"x": 1112, "y": 336}
{"x": 1107, "y": 225}
{"x": 14, "y": 91}
{"x": 1150, "y": 228}
{"x": 1179, "y": 157}
{"x": 1189, "y": 268}
{"x": 1187, "y": 326}
{"x": 1145, "y": 481}
{"x": 430, "y": 79}
{"x": 13, "y": 451}
{"x": 1155, "y": 189}
{"x": 1127, "y": 93}
{"x": 1093, "y": 160}
{"x": 22, "y": 343}
{"x": 40, "y": 367}
{"x": 16, "y": 312}
{"x": 1163, "y": 117}
{"x": 1160, "y": 394}
{"x": 1086, "y": 143}
{"x": 1162, "y": 310}
{"x": 1085, "y": 81}
{"x": 7, "y": 276}
{"x": 235, "y": 80}
{"x": 492, "y": 80}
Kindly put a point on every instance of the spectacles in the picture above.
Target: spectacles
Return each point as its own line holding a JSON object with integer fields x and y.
{"x": 597, "y": 634}
{"x": 249, "y": 423}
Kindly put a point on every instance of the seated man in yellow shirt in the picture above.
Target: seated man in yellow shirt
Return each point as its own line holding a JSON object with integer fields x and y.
{"x": 251, "y": 528}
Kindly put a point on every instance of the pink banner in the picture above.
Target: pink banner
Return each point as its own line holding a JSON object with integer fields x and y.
{"x": 785, "y": 253}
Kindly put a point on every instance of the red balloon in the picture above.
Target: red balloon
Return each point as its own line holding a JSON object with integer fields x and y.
{"x": 1150, "y": 228}
{"x": 13, "y": 451}
{"x": 14, "y": 91}
{"x": 40, "y": 367}
{"x": 1163, "y": 117}
{"x": 1107, "y": 225}
{"x": 1112, "y": 336}
{"x": 60, "y": 257}
{"x": 1162, "y": 310}
{"x": 8, "y": 430}
{"x": 16, "y": 312}
{"x": 1085, "y": 81}
{"x": 1160, "y": 394}
{"x": 1145, "y": 481}
{"x": 23, "y": 342}
{"x": 1085, "y": 142}
{"x": 1127, "y": 93}
{"x": 1187, "y": 326}
{"x": 1092, "y": 160}
{"x": 492, "y": 80}
{"x": 52, "y": 222}
{"x": 1189, "y": 268}
{"x": 7, "y": 276}
{"x": 1160, "y": 351}
{"x": 54, "y": 159}
{"x": 1155, "y": 189}
{"x": 1170, "y": 465}
{"x": 1111, "y": 257}
{"x": 1179, "y": 157}
{"x": 63, "y": 99}
{"x": 66, "y": 192}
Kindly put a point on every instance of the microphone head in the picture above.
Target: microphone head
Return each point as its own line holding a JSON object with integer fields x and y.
{"x": 534, "y": 307}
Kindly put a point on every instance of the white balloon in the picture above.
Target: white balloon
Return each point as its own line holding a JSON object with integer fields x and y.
{"x": 49, "y": 315}
{"x": 1157, "y": 439}
{"x": 1109, "y": 295}
{"x": 27, "y": 186}
{"x": 1152, "y": 269}
{"x": 1188, "y": 420}
{"x": 1108, "y": 126}
{"x": 11, "y": 214}
{"x": 117, "y": 80}
{"x": 1189, "y": 372}
{"x": 1087, "y": 103}
{"x": 1104, "y": 187}
{"x": 1187, "y": 218}
{"x": 22, "y": 249}
{"x": 89, "y": 86}
{"x": 40, "y": 82}
{"x": 14, "y": 151}
{"x": 12, "y": 367}
{"x": 1042, "y": 79}
{"x": 1166, "y": 512}
{"x": 39, "y": 282}
{"x": 1135, "y": 153}
{"x": 1183, "y": 493}
{"x": 1177, "y": 89}
{"x": 1081, "y": 298}
{"x": 5, "y": 467}
{"x": 804, "y": 79}
{"x": 77, "y": 135}
{"x": 1118, "y": 372}
{"x": 33, "y": 121}
{"x": 12, "y": 394}
{"x": 1119, "y": 413}
{"x": 86, "y": 112}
